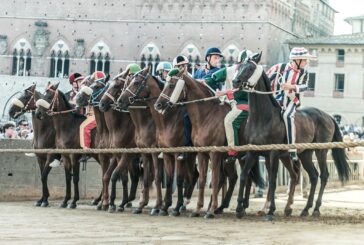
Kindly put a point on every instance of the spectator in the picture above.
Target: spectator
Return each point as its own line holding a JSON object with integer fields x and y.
{"x": 24, "y": 131}
{"x": 9, "y": 131}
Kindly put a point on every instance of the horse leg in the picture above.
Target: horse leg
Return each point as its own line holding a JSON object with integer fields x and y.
{"x": 135, "y": 174}
{"x": 321, "y": 156}
{"x": 158, "y": 170}
{"x": 41, "y": 163}
{"x": 230, "y": 170}
{"x": 181, "y": 172}
{"x": 249, "y": 162}
{"x": 191, "y": 179}
{"x": 169, "y": 167}
{"x": 102, "y": 160}
{"x": 108, "y": 168}
{"x": 202, "y": 169}
{"x": 44, "y": 179}
{"x": 147, "y": 180}
{"x": 76, "y": 178}
{"x": 294, "y": 175}
{"x": 117, "y": 173}
{"x": 274, "y": 163}
{"x": 306, "y": 160}
{"x": 67, "y": 170}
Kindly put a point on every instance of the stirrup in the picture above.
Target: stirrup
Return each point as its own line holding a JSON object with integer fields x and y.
{"x": 293, "y": 155}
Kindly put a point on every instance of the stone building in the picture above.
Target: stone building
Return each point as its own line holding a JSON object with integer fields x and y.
{"x": 51, "y": 39}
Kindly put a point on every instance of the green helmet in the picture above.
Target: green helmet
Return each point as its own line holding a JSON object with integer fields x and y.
{"x": 133, "y": 68}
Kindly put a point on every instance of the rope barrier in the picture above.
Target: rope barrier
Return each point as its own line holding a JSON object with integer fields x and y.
{"x": 283, "y": 147}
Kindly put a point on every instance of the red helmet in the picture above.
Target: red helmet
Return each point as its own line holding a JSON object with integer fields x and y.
{"x": 98, "y": 75}
{"x": 74, "y": 77}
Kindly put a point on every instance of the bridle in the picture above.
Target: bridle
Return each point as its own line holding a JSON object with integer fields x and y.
{"x": 25, "y": 107}
{"x": 135, "y": 96}
{"x": 54, "y": 103}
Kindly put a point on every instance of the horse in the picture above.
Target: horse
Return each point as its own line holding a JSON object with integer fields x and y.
{"x": 207, "y": 119}
{"x": 44, "y": 136}
{"x": 117, "y": 131}
{"x": 168, "y": 133}
{"x": 54, "y": 103}
{"x": 266, "y": 126}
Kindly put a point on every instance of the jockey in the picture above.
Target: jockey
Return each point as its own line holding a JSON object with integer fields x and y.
{"x": 133, "y": 69}
{"x": 212, "y": 57}
{"x": 289, "y": 80}
{"x": 238, "y": 100}
{"x": 75, "y": 80}
{"x": 90, "y": 122}
{"x": 162, "y": 70}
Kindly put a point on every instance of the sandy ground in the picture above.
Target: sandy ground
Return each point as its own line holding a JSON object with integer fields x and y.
{"x": 341, "y": 222}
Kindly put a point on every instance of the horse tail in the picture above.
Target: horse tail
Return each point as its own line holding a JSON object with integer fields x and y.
{"x": 255, "y": 175}
{"x": 339, "y": 156}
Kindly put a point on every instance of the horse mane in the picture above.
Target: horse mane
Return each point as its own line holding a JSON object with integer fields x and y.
{"x": 68, "y": 105}
{"x": 159, "y": 83}
{"x": 268, "y": 88}
{"x": 207, "y": 92}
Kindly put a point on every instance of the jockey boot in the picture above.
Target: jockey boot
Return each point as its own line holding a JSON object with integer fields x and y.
{"x": 55, "y": 163}
{"x": 293, "y": 154}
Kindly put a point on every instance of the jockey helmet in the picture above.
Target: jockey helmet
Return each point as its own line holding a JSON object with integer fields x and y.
{"x": 74, "y": 77}
{"x": 180, "y": 60}
{"x": 243, "y": 55}
{"x": 98, "y": 76}
{"x": 213, "y": 51}
{"x": 166, "y": 66}
{"x": 300, "y": 53}
{"x": 133, "y": 68}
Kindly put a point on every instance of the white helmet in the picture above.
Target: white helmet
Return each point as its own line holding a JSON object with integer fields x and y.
{"x": 244, "y": 54}
{"x": 166, "y": 66}
{"x": 180, "y": 60}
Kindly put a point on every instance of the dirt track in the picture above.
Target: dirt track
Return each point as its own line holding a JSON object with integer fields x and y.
{"x": 342, "y": 222}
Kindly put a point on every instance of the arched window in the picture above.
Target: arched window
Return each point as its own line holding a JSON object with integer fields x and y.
{"x": 60, "y": 60}
{"x": 230, "y": 53}
{"x": 22, "y": 58}
{"x": 193, "y": 55}
{"x": 100, "y": 58}
{"x": 150, "y": 56}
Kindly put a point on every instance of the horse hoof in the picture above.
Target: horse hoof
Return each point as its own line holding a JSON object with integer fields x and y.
{"x": 105, "y": 207}
{"x": 261, "y": 213}
{"x": 163, "y": 212}
{"x": 44, "y": 204}
{"x": 240, "y": 214}
{"x": 288, "y": 212}
{"x": 219, "y": 210}
{"x": 154, "y": 212}
{"x": 175, "y": 213}
{"x": 94, "y": 202}
{"x": 129, "y": 205}
{"x": 99, "y": 207}
{"x": 316, "y": 213}
{"x": 183, "y": 208}
{"x": 137, "y": 211}
{"x": 63, "y": 205}
{"x": 112, "y": 209}
{"x": 195, "y": 215}
{"x": 268, "y": 217}
{"x": 72, "y": 205}
{"x": 38, "y": 203}
{"x": 304, "y": 213}
{"x": 209, "y": 215}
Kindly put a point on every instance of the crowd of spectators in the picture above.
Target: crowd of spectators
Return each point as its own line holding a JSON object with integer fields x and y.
{"x": 11, "y": 130}
{"x": 352, "y": 132}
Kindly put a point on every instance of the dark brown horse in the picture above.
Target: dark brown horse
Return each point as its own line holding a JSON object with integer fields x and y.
{"x": 145, "y": 136}
{"x": 266, "y": 126}
{"x": 44, "y": 136}
{"x": 208, "y": 129}
{"x": 55, "y": 103}
{"x": 118, "y": 131}
{"x": 169, "y": 133}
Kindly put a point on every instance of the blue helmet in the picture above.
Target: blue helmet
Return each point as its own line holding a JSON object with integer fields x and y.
{"x": 212, "y": 51}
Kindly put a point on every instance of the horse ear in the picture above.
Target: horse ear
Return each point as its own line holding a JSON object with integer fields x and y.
{"x": 32, "y": 88}
{"x": 257, "y": 56}
{"x": 107, "y": 78}
{"x": 146, "y": 69}
{"x": 55, "y": 86}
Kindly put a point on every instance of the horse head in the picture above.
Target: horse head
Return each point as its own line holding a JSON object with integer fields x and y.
{"x": 137, "y": 89}
{"x": 114, "y": 90}
{"x": 249, "y": 72}
{"x": 24, "y": 103}
{"x": 172, "y": 91}
{"x": 91, "y": 91}
{"x": 48, "y": 102}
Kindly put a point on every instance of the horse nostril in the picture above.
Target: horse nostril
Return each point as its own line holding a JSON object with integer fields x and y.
{"x": 158, "y": 106}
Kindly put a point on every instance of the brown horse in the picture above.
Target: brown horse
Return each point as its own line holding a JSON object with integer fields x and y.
{"x": 266, "y": 126}
{"x": 144, "y": 89}
{"x": 145, "y": 136}
{"x": 117, "y": 131}
{"x": 55, "y": 103}
{"x": 208, "y": 129}
{"x": 44, "y": 136}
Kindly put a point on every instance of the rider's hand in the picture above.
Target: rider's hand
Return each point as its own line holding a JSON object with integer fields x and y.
{"x": 286, "y": 86}
{"x": 220, "y": 93}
